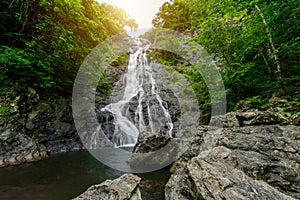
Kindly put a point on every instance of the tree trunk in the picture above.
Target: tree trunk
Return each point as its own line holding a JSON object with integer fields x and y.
{"x": 265, "y": 60}
{"x": 276, "y": 58}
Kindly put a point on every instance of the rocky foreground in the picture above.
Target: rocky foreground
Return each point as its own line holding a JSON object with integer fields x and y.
{"x": 245, "y": 163}
{"x": 125, "y": 187}
{"x": 254, "y": 156}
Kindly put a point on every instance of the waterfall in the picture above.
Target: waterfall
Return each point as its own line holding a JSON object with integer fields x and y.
{"x": 141, "y": 108}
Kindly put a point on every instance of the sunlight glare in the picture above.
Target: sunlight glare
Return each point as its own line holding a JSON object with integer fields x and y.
{"x": 142, "y": 11}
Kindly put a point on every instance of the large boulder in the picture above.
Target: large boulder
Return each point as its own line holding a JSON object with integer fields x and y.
{"x": 266, "y": 153}
{"x": 269, "y": 153}
{"x": 153, "y": 152}
{"x": 216, "y": 174}
{"x": 193, "y": 150}
{"x": 123, "y": 188}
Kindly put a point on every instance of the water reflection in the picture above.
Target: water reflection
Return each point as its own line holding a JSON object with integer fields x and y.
{"x": 65, "y": 176}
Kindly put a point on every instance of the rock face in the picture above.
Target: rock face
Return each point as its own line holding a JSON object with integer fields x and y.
{"x": 123, "y": 188}
{"x": 255, "y": 162}
{"x": 52, "y": 125}
{"x": 269, "y": 153}
{"x": 30, "y": 134}
{"x": 193, "y": 150}
{"x": 255, "y": 117}
{"x": 16, "y": 148}
{"x": 216, "y": 175}
{"x": 156, "y": 151}
{"x": 296, "y": 119}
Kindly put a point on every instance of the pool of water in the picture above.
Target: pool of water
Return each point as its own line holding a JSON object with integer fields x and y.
{"x": 66, "y": 176}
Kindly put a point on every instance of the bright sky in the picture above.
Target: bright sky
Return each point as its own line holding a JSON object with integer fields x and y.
{"x": 142, "y": 11}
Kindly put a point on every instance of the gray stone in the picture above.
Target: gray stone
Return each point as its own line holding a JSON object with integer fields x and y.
{"x": 253, "y": 117}
{"x": 296, "y": 119}
{"x": 269, "y": 153}
{"x": 16, "y": 148}
{"x": 152, "y": 152}
{"x": 192, "y": 151}
{"x": 47, "y": 129}
{"x": 123, "y": 188}
{"x": 216, "y": 175}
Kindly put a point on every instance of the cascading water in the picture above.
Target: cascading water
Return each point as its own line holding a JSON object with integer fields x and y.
{"x": 141, "y": 109}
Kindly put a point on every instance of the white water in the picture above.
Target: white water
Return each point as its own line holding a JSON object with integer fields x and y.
{"x": 140, "y": 85}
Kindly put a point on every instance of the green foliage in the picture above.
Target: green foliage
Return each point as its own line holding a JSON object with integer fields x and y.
{"x": 177, "y": 13}
{"x": 25, "y": 69}
{"x": 44, "y": 42}
{"x": 104, "y": 86}
{"x": 4, "y": 109}
{"x": 165, "y": 58}
{"x": 119, "y": 61}
{"x": 256, "y": 42}
{"x": 256, "y": 101}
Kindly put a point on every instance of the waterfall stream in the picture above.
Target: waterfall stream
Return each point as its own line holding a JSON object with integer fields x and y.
{"x": 141, "y": 108}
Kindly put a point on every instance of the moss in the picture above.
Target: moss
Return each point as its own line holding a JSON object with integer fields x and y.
{"x": 178, "y": 113}
{"x": 119, "y": 61}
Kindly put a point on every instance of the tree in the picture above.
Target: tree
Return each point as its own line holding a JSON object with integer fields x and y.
{"x": 44, "y": 42}
{"x": 256, "y": 42}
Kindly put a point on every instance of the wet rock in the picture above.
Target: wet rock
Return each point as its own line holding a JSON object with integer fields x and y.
{"x": 156, "y": 151}
{"x": 216, "y": 175}
{"x": 16, "y": 148}
{"x": 106, "y": 119}
{"x": 150, "y": 105}
{"x": 123, "y": 188}
{"x": 148, "y": 142}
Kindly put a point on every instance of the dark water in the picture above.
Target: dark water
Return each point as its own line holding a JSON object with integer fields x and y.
{"x": 65, "y": 176}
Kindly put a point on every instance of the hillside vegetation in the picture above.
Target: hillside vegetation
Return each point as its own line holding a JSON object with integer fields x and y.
{"x": 256, "y": 45}
{"x": 43, "y": 42}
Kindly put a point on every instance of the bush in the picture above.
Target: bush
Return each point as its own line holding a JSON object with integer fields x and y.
{"x": 23, "y": 69}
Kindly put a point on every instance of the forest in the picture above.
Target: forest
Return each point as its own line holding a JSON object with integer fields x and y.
{"x": 256, "y": 44}
{"x": 43, "y": 43}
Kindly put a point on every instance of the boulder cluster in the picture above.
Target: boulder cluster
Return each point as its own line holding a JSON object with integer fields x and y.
{"x": 255, "y": 155}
